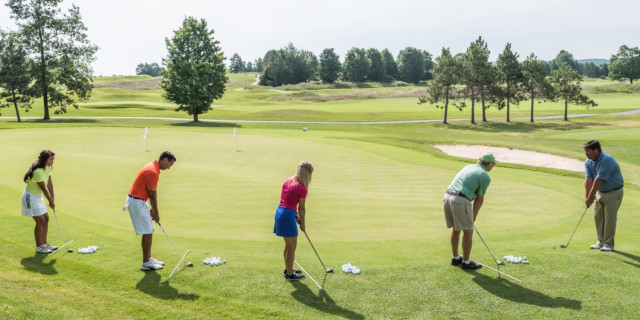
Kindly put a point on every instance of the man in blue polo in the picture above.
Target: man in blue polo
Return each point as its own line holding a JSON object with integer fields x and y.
{"x": 470, "y": 184}
{"x": 604, "y": 185}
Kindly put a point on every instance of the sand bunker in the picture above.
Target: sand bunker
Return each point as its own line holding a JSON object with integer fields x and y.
{"x": 509, "y": 155}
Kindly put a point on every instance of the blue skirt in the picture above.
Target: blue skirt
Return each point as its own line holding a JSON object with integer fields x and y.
{"x": 285, "y": 224}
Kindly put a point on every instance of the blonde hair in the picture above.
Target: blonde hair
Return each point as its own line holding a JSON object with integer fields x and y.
{"x": 303, "y": 173}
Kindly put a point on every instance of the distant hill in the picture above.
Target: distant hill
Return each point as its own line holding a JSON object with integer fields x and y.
{"x": 597, "y": 62}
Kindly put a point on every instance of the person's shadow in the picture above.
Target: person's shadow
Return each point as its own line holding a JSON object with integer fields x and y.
{"x": 508, "y": 290}
{"x": 630, "y": 256}
{"x": 151, "y": 285}
{"x": 37, "y": 264}
{"x": 322, "y": 301}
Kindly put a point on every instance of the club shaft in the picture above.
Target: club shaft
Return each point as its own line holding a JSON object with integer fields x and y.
{"x": 576, "y": 228}
{"x": 179, "y": 262}
{"x": 60, "y": 228}
{"x": 165, "y": 233}
{"x": 499, "y": 272}
{"x": 310, "y": 277}
{"x": 485, "y": 244}
{"x": 314, "y": 250}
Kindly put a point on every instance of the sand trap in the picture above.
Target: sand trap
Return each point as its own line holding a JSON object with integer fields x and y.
{"x": 509, "y": 155}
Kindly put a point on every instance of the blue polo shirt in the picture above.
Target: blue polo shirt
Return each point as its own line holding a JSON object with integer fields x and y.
{"x": 472, "y": 180}
{"x": 606, "y": 169}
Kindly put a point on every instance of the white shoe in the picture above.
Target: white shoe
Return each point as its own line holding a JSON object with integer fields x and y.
{"x": 43, "y": 249}
{"x": 596, "y": 245}
{"x": 606, "y": 248}
{"x": 158, "y": 262}
{"x": 50, "y": 247}
{"x": 149, "y": 265}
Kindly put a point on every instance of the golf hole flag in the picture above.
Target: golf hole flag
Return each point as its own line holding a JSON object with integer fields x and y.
{"x": 144, "y": 134}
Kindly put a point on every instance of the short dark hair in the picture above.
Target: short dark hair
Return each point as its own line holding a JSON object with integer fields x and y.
{"x": 167, "y": 155}
{"x": 592, "y": 145}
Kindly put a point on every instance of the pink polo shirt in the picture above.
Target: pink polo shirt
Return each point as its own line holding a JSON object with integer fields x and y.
{"x": 292, "y": 192}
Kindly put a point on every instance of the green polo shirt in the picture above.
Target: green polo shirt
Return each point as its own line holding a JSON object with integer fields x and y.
{"x": 39, "y": 175}
{"x": 472, "y": 180}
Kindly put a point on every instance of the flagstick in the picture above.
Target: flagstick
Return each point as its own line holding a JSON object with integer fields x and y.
{"x": 236, "y": 142}
{"x": 147, "y": 138}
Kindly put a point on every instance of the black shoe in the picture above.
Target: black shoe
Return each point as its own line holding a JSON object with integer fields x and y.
{"x": 293, "y": 277}
{"x": 294, "y": 271}
{"x": 471, "y": 265}
{"x": 456, "y": 262}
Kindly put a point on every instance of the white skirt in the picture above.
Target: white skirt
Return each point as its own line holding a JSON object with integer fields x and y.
{"x": 33, "y": 204}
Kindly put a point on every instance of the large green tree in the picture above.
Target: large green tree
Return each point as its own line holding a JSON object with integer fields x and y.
{"x": 625, "y": 64}
{"x": 510, "y": 77}
{"x": 236, "y": 64}
{"x": 410, "y": 65}
{"x": 288, "y": 65}
{"x": 376, "y": 72}
{"x": 61, "y": 52}
{"x": 390, "y": 65}
{"x": 535, "y": 84}
{"x": 564, "y": 57}
{"x": 151, "y": 69}
{"x": 447, "y": 74}
{"x": 566, "y": 82}
{"x": 356, "y": 65}
{"x": 330, "y": 66}
{"x": 428, "y": 65}
{"x": 195, "y": 73}
{"x": 15, "y": 83}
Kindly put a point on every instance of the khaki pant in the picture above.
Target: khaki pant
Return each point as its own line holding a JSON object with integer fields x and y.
{"x": 606, "y": 215}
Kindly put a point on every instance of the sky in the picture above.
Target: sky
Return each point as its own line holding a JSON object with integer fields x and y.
{"x": 129, "y": 32}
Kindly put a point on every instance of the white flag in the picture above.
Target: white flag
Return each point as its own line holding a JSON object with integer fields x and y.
{"x": 144, "y": 134}
{"x": 234, "y": 132}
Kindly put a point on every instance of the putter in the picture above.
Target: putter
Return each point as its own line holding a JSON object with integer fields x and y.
{"x": 485, "y": 244}
{"x": 310, "y": 277}
{"x": 61, "y": 235}
{"x": 314, "y": 250}
{"x": 189, "y": 264}
{"x": 52, "y": 253}
{"x": 563, "y": 246}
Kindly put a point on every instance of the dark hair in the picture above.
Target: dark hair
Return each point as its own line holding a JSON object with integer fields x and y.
{"x": 40, "y": 163}
{"x": 593, "y": 145}
{"x": 167, "y": 155}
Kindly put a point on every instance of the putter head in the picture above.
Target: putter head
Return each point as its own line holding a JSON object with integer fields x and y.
{"x": 329, "y": 270}
{"x": 189, "y": 264}
{"x": 69, "y": 250}
{"x": 562, "y": 246}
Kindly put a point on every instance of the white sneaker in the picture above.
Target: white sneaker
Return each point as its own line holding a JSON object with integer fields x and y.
{"x": 606, "y": 248}
{"x": 596, "y": 245}
{"x": 50, "y": 247}
{"x": 43, "y": 249}
{"x": 149, "y": 265}
{"x": 158, "y": 262}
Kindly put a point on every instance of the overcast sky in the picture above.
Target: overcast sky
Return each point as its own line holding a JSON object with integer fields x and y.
{"x": 133, "y": 31}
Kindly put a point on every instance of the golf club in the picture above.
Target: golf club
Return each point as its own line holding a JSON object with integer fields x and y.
{"x": 179, "y": 262}
{"x": 189, "y": 264}
{"x": 52, "y": 253}
{"x": 485, "y": 244}
{"x": 310, "y": 277}
{"x": 563, "y": 246}
{"x": 314, "y": 250}
{"x": 499, "y": 272}
{"x": 61, "y": 235}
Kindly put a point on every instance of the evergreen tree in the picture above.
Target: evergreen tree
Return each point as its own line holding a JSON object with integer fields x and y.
{"x": 236, "y": 64}
{"x": 535, "y": 84}
{"x": 510, "y": 77}
{"x": 447, "y": 74}
{"x": 566, "y": 82}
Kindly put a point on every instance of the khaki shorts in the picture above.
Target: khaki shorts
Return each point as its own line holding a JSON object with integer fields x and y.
{"x": 140, "y": 216}
{"x": 458, "y": 212}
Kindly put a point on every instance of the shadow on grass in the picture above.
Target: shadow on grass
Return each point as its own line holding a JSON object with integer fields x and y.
{"x": 519, "y": 126}
{"x": 65, "y": 120}
{"x": 151, "y": 285}
{"x": 508, "y": 290}
{"x": 630, "y": 256}
{"x": 37, "y": 264}
{"x": 322, "y": 301}
{"x": 206, "y": 124}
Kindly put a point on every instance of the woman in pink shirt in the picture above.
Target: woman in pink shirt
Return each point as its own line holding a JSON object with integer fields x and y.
{"x": 292, "y": 198}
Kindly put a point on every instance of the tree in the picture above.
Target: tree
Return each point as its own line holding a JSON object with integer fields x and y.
{"x": 428, "y": 65}
{"x": 564, "y": 57}
{"x": 249, "y": 67}
{"x": 566, "y": 82}
{"x": 195, "y": 74}
{"x": 390, "y": 66}
{"x": 510, "y": 77}
{"x": 447, "y": 74}
{"x": 60, "y": 50}
{"x": 376, "y": 72}
{"x": 625, "y": 64}
{"x": 535, "y": 83}
{"x": 151, "y": 69}
{"x": 478, "y": 75}
{"x": 356, "y": 65}
{"x": 410, "y": 65}
{"x": 329, "y": 66}
{"x": 591, "y": 70}
{"x": 604, "y": 70}
{"x": 15, "y": 83}
{"x": 236, "y": 64}
{"x": 258, "y": 65}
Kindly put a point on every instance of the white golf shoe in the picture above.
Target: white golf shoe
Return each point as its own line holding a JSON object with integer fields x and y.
{"x": 43, "y": 249}
{"x": 158, "y": 262}
{"x": 596, "y": 245}
{"x": 150, "y": 266}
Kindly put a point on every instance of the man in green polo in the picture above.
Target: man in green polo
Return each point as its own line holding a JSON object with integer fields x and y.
{"x": 470, "y": 184}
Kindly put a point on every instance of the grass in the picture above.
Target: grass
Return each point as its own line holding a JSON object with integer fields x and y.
{"x": 375, "y": 202}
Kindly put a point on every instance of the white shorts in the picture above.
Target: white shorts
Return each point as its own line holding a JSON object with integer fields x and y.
{"x": 140, "y": 216}
{"x": 33, "y": 204}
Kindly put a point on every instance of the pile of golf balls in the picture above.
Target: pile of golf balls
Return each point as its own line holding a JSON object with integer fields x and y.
{"x": 214, "y": 261}
{"x": 513, "y": 259}
{"x": 87, "y": 250}
{"x": 348, "y": 268}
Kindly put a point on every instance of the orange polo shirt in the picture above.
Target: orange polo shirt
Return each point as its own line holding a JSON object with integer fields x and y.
{"x": 147, "y": 179}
